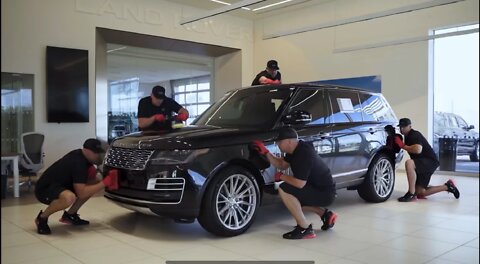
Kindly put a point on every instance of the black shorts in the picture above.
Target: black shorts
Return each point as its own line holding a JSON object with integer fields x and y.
{"x": 424, "y": 169}
{"x": 48, "y": 194}
{"x": 309, "y": 195}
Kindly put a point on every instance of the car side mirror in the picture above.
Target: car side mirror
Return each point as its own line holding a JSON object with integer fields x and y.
{"x": 470, "y": 127}
{"x": 297, "y": 117}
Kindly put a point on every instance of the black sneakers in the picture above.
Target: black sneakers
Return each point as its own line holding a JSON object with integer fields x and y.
{"x": 328, "y": 219}
{"x": 42, "y": 225}
{"x": 73, "y": 219}
{"x": 452, "y": 188}
{"x": 300, "y": 233}
{"x": 408, "y": 197}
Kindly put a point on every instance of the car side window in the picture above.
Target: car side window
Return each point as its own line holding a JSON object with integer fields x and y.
{"x": 462, "y": 122}
{"x": 312, "y": 101}
{"x": 374, "y": 108}
{"x": 345, "y": 106}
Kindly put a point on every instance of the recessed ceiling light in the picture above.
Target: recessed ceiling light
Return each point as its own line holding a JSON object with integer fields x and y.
{"x": 274, "y": 4}
{"x": 225, "y": 3}
{"x": 112, "y": 50}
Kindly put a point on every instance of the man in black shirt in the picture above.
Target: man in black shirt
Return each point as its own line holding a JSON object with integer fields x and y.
{"x": 70, "y": 182}
{"x": 311, "y": 186}
{"x": 156, "y": 109}
{"x": 421, "y": 166}
{"x": 270, "y": 75}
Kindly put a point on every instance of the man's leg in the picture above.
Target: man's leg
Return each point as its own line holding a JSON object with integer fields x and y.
{"x": 76, "y": 206}
{"x": 411, "y": 175}
{"x": 295, "y": 208}
{"x": 65, "y": 200}
{"x": 318, "y": 210}
{"x": 430, "y": 190}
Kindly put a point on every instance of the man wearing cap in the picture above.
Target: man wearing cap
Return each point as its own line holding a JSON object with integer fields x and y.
{"x": 311, "y": 186}
{"x": 270, "y": 75}
{"x": 154, "y": 110}
{"x": 69, "y": 183}
{"x": 421, "y": 166}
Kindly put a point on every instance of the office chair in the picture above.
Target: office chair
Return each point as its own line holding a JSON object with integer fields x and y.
{"x": 31, "y": 156}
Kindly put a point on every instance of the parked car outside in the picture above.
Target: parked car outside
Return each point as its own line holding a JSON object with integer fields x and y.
{"x": 452, "y": 125}
{"x": 209, "y": 171}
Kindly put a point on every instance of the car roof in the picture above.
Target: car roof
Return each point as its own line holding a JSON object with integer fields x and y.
{"x": 303, "y": 85}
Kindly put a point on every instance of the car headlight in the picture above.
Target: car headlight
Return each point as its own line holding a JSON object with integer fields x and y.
{"x": 175, "y": 157}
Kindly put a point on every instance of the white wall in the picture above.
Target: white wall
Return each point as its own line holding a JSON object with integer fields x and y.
{"x": 28, "y": 26}
{"x": 403, "y": 68}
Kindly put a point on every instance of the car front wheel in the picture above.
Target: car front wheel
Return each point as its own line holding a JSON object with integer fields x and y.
{"x": 379, "y": 180}
{"x": 230, "y": 202}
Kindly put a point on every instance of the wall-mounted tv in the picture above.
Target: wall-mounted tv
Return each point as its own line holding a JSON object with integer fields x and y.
{"x": 67, "y": 85}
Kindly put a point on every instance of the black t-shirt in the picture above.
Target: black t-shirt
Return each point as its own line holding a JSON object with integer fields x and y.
{"x": 147, "y": 109}
{"x": 414, "y": 137}
{"x": 307, "y": 165}
{"x": 265, "y": 73}
{"x": 71, "y": 168}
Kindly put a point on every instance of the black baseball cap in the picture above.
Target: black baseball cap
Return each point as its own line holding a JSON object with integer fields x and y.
{"x": 287, "y": 133}
{"x": 389, "y": 129}
{"x": 158, "y": 91}
{"x": 404, "y": 122}
{"x": 94, "y": 145}
{"x": 272, "y": 64}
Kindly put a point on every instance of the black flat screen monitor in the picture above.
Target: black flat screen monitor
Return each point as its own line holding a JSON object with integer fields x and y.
{"x": 67, "y": 85}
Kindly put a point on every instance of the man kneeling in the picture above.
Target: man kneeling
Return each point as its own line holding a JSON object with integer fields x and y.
{"x": 311, "y": 186}
{"x": 69, "y": 183}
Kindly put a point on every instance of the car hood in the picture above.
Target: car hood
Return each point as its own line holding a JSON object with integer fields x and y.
{"x": 192, "y": 137}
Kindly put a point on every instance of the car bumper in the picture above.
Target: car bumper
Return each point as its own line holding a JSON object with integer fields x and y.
{"x": 168, "y": 192}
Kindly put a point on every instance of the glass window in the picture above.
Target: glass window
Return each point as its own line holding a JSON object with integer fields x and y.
{"x": 123, "y": 107}
{"x": 17, "y": 109}
{"x": 375, "y": 108}
{"x": 250, "y": 108}
{"x": 345, "y": 106}
{"x": 193, "y": 94}
{"x": 312, "y": 101}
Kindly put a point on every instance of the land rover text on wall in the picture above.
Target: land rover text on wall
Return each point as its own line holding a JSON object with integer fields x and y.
{"x": 208, "y": 170}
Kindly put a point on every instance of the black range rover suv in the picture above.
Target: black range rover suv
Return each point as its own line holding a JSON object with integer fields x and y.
{"x": 208, "y": 170}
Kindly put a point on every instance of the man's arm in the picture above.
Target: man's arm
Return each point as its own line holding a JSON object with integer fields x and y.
{"x": 265, "y": 80}
{"x": 278, "y": 163}
{"x": 293, "y": 181}
{"x": 144, "y": 122}
{"x": 83, "y": 190}
{"x": 415, "y": 149}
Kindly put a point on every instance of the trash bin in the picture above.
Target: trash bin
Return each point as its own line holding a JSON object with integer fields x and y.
{"x": 447, "y": 153}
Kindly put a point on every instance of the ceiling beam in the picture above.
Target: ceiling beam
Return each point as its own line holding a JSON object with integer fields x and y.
{"x": 219, "y": 11}
{"x": 390, "y": 12}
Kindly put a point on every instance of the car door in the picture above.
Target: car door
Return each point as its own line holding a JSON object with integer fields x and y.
{"x": 351, "y": 148}
{"x": 317, "y": 132}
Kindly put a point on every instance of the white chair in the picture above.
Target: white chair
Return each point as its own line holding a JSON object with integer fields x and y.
{"x": 31, "y": 156}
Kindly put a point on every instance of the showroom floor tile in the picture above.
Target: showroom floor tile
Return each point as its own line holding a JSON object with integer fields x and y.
{"x": 438, "y": 230}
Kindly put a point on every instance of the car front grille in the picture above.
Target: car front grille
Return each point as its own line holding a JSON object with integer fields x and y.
{"x": 130, "y": 159}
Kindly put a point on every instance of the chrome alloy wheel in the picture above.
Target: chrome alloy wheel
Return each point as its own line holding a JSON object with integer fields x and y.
{"x": 236, "y": 201}
{"x": 383, "y": 177}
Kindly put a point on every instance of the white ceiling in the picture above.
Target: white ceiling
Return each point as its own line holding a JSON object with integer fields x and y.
{"x": 153, "y": 66}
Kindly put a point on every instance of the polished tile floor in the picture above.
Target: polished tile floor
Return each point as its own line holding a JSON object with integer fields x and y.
{"x": 438, "y": 230}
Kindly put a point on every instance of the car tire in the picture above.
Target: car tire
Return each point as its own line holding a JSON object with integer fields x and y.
{"x": 474, "y": 154}
{"x": 230, "y": 202}
{"x": 379, "y": 181}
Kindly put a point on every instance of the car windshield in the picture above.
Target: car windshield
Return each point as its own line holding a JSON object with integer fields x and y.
{"x": 248, "y": 108}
